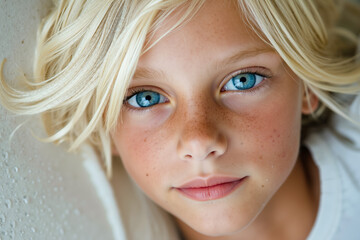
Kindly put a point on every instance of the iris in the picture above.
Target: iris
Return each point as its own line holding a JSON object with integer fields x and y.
{"x": 147, "y": 98}
{"x": 244, "y": 81}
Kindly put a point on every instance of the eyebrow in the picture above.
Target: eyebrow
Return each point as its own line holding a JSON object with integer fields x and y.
{"x": 144, "y": 73}
{"x": 241, "y": 55}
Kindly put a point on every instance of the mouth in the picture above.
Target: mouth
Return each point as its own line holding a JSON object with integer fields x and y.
{"x": 210, "y": 189}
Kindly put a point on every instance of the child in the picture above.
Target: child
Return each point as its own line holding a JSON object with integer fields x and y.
{"x": 205, "y": 102}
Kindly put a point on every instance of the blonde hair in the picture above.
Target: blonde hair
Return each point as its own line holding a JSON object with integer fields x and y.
{"x": 88, "y": 51}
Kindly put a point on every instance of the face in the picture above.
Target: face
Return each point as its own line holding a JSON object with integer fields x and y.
{"x": 211, "y": 126}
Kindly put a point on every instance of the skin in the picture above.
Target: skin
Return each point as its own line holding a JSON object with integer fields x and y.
{"x": 200, "y": 130}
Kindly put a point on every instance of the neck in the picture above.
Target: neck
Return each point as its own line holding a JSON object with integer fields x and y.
{"x": 300, "y": 189}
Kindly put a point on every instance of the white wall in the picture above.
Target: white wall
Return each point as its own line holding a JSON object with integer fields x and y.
{"x": 45, "y": 193}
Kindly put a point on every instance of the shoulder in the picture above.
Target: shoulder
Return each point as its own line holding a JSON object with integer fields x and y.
{"x": 340, "y": 136}
{"x": 338, "y": 144}
{"x": 343, "y": 138}
{"x": 335, "y": 149}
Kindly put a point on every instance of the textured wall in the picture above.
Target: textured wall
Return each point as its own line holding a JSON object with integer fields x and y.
{"x": 45, "y": 193}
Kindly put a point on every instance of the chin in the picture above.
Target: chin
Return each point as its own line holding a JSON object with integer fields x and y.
{"x": 223, "y": 226}
{"x": 220, "y": 230}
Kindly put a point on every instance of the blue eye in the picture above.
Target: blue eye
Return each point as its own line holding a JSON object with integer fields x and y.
{"x": 145, "y": 99}
{"x": 243, "y": 81}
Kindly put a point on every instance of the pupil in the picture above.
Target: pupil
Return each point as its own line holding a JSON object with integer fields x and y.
{"x": 148, "y": 97}
{"x": 243, "y": 79}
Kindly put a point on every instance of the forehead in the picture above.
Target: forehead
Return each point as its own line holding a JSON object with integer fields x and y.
{"x": 217, "y": 28}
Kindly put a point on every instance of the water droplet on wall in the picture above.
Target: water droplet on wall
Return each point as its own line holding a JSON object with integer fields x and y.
{"x": 33, "y": 229}
{"x": 16, "y": 169}
{"x": 5, "y": 155}
{"x": 2, "y": 219}
{"x": 13, "y": 224}
{"x": 25, "y": 199}
{"x": 8, "y": 173}
{"x": 8, "y": 203}
{"x": 77, "y": 211}
{"x": 12, "y": 234}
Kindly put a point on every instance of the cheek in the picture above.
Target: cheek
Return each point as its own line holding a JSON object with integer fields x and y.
{"x": 279, "y": 126}
{"x": 279, "y": 139}
{"x": 138, "y": 138}
{"x": 140, "y": 151}
{"x": 268, "y": 131}
{"x": 129, "y": 151}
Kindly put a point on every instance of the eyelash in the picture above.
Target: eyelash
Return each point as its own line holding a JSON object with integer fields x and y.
{"x": 258, "y": 71}
{"x": 132, "y": 93}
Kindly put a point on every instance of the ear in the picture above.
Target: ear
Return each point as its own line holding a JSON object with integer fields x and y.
{"x": 310, "y": 101}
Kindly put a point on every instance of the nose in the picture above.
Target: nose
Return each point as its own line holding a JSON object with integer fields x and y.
{"x": 200, "y": 139}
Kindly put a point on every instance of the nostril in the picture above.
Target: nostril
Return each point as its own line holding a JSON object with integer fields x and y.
{"x": 188, "y": 156}
{"x": 213, "y": 153}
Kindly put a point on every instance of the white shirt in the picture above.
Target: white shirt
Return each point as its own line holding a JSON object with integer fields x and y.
{"x": 336, "y": 151}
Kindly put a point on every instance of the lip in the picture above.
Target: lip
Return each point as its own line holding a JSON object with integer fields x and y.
{"x": 205, "y": 189}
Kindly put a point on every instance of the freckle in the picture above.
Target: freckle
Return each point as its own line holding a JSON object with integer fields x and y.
{"x": 147, "y": 174}
{"x": 261, "y": 157}
{"x": 145, "y": 139}
{"x": 262, "y": 186}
